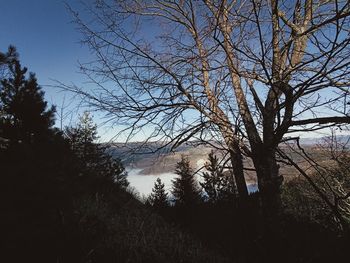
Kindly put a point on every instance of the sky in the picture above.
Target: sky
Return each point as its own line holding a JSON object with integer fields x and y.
{"x": 44, "y": 36}
{"x": 46, "y": 41}
{"x": 48, "y": 44}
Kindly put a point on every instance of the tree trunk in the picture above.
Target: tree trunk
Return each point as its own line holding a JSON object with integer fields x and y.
{"x": 237, "y": 166}
{"x": 235, "y": 156}
{"x": 269, "y": 182}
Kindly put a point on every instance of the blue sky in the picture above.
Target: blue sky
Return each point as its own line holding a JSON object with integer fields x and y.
{"x": 45, "y": 38}
{"x": 47, "y": 43}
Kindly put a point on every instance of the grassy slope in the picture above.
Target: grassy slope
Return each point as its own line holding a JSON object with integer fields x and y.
{"x": 119, "y": 228}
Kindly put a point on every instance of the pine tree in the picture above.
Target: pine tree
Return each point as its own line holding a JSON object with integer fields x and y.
{"x": 212, "y": 178}
{"x": 218, "y": 185}
{"x": 185, "y": 190}
{"x": 158, "y": 198}
{"x": 24, "y": 114}
{"x": 82, "y": 139}
{"x": 9, "y": 56}
{"x": 114, "y": 169}
{"x": 7, "y": 59}
{"x": 94, "y": 160}
{"x": 34, "y": 160}
{"x": 228, "y": 189}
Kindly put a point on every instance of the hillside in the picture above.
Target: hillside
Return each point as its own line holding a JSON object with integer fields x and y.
{"x": 119, "y": 228}
{"x": 153, "y": 161}
{"x": 150, "y": 161}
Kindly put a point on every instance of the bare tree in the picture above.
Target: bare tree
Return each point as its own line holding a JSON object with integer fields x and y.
{"x": 248, "y": 74}
{"x": 328, "y": 180}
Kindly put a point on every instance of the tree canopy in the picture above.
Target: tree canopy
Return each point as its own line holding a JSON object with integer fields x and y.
{"x": 25, "y": 116}
{"x": 185, "y": 189}
{"x": 92, "y": 155}
{"x": 218, "y": 185}
{"x": 249, "y": 75}
{"x": 158, "y": 198}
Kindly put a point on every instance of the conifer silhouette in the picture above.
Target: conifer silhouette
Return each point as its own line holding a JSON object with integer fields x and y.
{"x": 158, "y": 198}
{"x": 93, "y": 156}
{"x": 185, "y": 189}
{"x": 25, "y": 117}
{"x": 218, "y": 185}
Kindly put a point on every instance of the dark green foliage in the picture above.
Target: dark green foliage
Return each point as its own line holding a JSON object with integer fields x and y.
{"x": 42, "y": 173}
{"x": 97, "y": 166}
{"x": 218, "y": 185}
{"x": 158, "y": 199}
{"x": 36, "y": 166}
{"x": 82, "y": 140}
{"x": 63, "y": 199}
{"x": 5, "y": 60}
{"x": 185, "y": 189}
{"x": 24, "y": 114}
{"x": 115, "y": 169}
{"x": 9, "y": 56}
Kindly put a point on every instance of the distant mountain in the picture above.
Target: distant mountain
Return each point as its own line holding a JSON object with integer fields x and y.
{"x": 154, "y": 158}
{"x": 343, "y": 139}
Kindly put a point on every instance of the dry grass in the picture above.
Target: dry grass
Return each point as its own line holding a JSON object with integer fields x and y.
{"x": 128, "y": 232}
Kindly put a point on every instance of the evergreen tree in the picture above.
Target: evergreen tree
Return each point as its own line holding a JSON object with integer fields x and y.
{"x": 24, "y": 114}
{"x": 228, "y": 189}
{"x": 5, "y": 60}
{"x": 218, "y": 185}
{"x": 83, "y": 139}
{"x": 95, "y": 162}
{"x": 42, "y": 171}
{"x": 158, "y": 198}
{"x": 212, "y": 178}
{"x": 34, "y": 161}
{"x": 115, "y": 170}
{"x": 9, "y": 56}
{"x": 185, "y": 190}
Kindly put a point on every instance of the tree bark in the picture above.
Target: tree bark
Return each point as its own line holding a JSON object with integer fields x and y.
{"x": 269, "y": 182}
{"x": 238, "y": 172}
